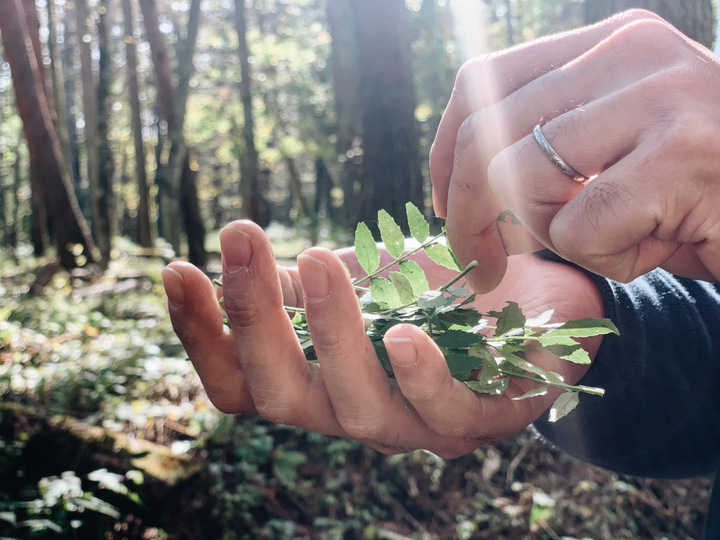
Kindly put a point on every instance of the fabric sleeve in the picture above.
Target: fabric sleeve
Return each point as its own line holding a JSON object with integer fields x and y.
{"x": 660, "y": 416}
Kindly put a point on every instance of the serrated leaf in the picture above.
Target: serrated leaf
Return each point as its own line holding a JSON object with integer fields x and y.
{"x": 443, "y": 256}
{"x": 416, "y": 275}
{"x": 565, "y": 403}
{"x": 382, "y": 355}
{"x": 494, "y": 387}
{"x": 419, "y": 227}
{"x": 539, "y": 391}
{"x": 457, "y": 292}
{"x": 462, "y": 365}
{"x": 383, "y": 292}
{"x": 433, "y": 300}
{"x": 403, "y": 287}
{"x": 540, "y": 320}
{"x": 366, "y": 249}
{"x": 573, "y": 353}
{"x": 510, "y": 318}
{"x": 456, "y": 339}
{"x": 524, "y": 365}
{"x": 391, "y": 234}
{"x": 585, "y": 328}
{"x": 550, "y": 339}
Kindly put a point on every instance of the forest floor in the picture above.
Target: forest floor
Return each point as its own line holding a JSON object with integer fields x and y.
{"x": 105, "y": 432}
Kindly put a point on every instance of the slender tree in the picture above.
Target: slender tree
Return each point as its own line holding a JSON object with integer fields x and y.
{"x": 391, "y": 174}
{"x": 181, "y": 190}
{"x": 105, "y": 203}
{"x": 254, "y": 206}
{"x": 144, "y": 230}
{"x": 346, "y": 83}
{"x": 67, "y": 224}
{"x": 695, "y": 18}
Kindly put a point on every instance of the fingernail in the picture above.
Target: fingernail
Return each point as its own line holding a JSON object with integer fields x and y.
{"x": 315, "y": 278}
{"x": 402, "y": 351}
{"x": 174, "y": 287}
{"x": 236, "y": 246}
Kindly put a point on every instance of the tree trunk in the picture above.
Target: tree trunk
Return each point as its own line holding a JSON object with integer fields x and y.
{"x": 391, "y": 173}
{"x": 105, "y": 203}
{"x": 144, "y": 234}
{"x": 17, "y": 173}
{"x": 179, "y": 171}
{"x": 346, "y": 82}
{"x": 169, "y": 196}
{"x": 693, "y": 18}
{"x": 68, "y": 226}
{"x": 254, "y": 207}
{"x": 58, "y": 85}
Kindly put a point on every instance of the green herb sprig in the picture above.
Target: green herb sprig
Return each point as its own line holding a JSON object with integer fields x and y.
{"x": 485, "y": 363}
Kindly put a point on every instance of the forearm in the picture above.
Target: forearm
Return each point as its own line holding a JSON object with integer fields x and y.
{"x": 661, "y": 377}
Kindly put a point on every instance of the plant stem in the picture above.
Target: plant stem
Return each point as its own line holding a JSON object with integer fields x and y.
{"x": 457, "y": 278}
{"x": 403, "y": 257}
{"x": 579, "y": 388}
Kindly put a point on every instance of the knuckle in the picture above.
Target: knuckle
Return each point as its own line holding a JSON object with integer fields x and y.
{"x": 277, "y": 412}
{"x": 362, "y": 427}
{"x": 646, "y": 37}
{"x": 242, "y": 315}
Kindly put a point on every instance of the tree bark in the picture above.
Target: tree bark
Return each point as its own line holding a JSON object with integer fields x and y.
{"x": 144, "y": 228}
{"x": 105, "y": 203}
{"x": 346, "y": 82}
{"x": 391, "y": 174}
{"x": 693, "y": 18}
{"x": 254, "y": 207}
{"x": 58, "y": 85}
{"x": 90, "y": 110}
{"x": 179, "y": 170}
{"x": 68, "y": 226}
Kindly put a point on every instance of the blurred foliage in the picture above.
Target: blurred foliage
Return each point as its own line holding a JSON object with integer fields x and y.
{"x": 105, "y": 432}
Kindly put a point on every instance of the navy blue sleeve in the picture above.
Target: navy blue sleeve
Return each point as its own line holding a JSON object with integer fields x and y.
{"x": 660, "y": 416}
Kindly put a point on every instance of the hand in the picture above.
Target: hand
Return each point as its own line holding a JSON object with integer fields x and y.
{"x": 257, "y": 365}
{"x": 630, "y": 103}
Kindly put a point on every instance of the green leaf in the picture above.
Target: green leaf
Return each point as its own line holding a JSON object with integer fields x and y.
{"x": 403, "y": 286}
{"x": 382, "y": 355}
{"x": 462, "y": 365}
{"x": 391, "y": 234}
{"x": 539, "y": 391}
{"x": 416, "y": 275}
{"x": 565, "y": 403}
{"x": 495, "y": 387}
{"x": 433, "y": 300}
{"x": 443, "y": 256}
{"x": 419, "y": 227}
{"x": 524, "y": 365}
{"x": 585, "y": 328}
{"x": 573, "y": 353}
{"x": 383, "y": 292}
{"x": 510, "y": 318}
{"x": 457, "y": 292}
{"x": 366, "y": 249}
{"x": 457, "y": 339}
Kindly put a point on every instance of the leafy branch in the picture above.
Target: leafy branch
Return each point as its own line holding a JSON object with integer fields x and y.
{"x": 484, "y": 356}
{"x": 485, "y": 363}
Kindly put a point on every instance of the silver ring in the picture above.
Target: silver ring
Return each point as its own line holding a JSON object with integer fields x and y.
{"x": 555, "y": 158}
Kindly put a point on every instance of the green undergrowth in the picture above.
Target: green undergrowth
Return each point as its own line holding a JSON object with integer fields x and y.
{"x": 105, "y": 433}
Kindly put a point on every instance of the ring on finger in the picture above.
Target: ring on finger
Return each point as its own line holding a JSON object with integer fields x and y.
{"x": 555, "y": 158}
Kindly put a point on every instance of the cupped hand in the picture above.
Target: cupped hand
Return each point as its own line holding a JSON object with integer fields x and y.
{"x": 632, "y": 105}
{"x": 257, "y": 365}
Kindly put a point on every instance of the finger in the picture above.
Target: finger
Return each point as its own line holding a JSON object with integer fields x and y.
{"x": 198, "y": 322}
{"x": 610, "y": 210}
{"x": 283, "y": 387}
{"x": 484, "y": 81}
{"x": 365, "y": 403}
{"x": 445, "y": 404}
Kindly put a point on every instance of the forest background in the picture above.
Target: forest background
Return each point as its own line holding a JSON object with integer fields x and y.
{"x": 131, "y": 131}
